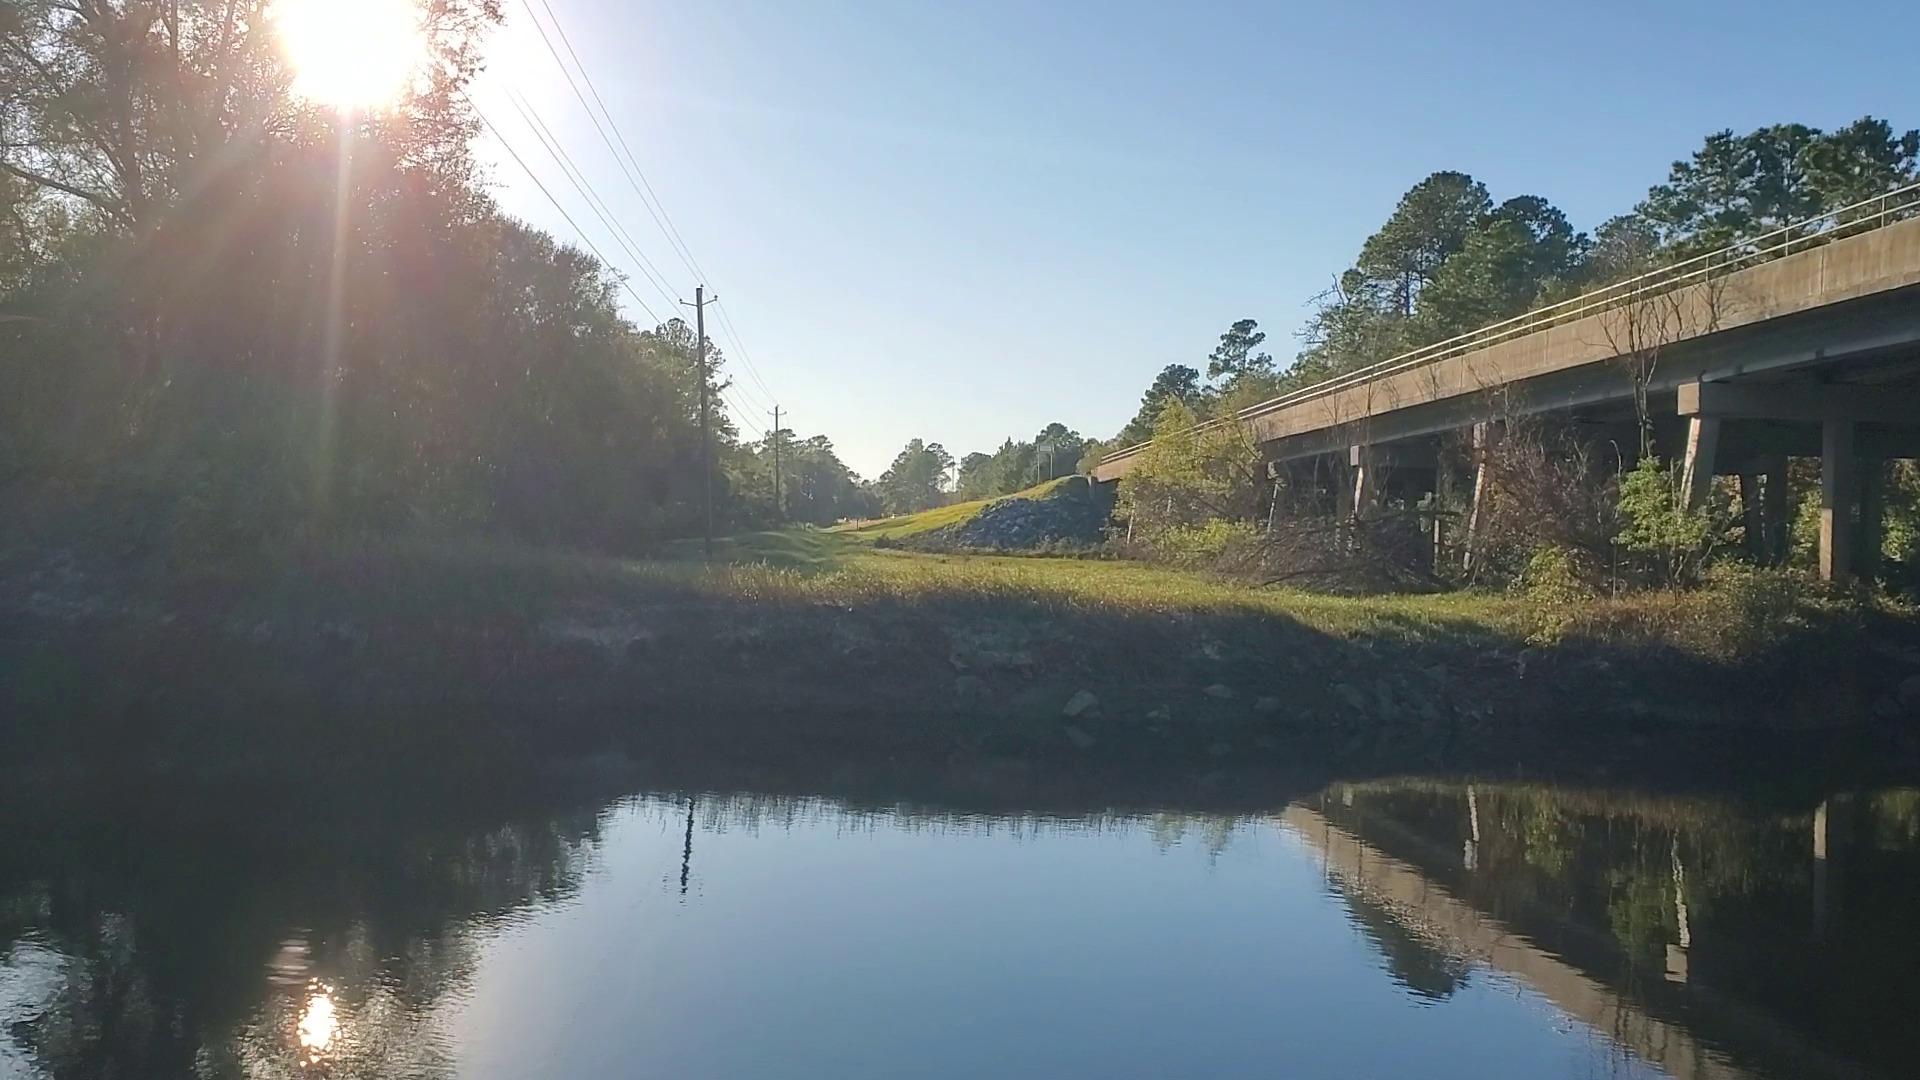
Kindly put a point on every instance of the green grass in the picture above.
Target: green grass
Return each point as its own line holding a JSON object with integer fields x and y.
{"x": 1722, "y": 620}
{"x": 833, "y": 568}
{"x": 845, "y": 569}
{"x": 940, "y": 517}
{"x": 792, "y": 549}
{"x": 812, "y": 567}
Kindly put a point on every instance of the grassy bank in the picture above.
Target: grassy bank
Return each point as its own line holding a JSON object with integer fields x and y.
{"x": 1737, "y": 617}
{"x": 822, "y": 651}
{"x": 1068, "y": 514}
{"x": 909, "y": 526}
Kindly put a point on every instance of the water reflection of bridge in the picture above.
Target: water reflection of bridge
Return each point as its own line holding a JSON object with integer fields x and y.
{"x": 1383, "y": 855}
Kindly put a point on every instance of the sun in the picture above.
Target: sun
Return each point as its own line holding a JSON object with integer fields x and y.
{"x": 351, "y": 54}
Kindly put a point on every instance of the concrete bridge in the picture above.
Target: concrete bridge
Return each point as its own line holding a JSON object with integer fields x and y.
{"x": 1804, "y": 342}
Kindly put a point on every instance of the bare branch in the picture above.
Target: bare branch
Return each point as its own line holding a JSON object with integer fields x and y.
{"x": 109, "y": 204}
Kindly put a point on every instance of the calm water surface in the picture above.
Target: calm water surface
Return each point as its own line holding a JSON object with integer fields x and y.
{"x": 1381, "y": 930}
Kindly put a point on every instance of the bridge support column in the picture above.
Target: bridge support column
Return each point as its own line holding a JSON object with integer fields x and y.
{"x": 1703, "y": 446}
{"x": 1366, "y": 477}
{"x": 1778, "y": 514}
{"x": 1837, "y": 474}
{"x": 1839, "y": 410}
{"x": 1481, "y": 434}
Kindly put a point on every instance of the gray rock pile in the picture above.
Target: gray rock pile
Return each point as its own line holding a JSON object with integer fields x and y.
{"x": 1071, "y": 514}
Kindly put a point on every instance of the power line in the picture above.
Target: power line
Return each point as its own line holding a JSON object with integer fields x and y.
{"x": 762, "y": 401}
{"x": 494, "y": 129}
{"x": 746, "y": 361}
{"x": 578, "y": 177}
{"x": 575, "y": 176}
{"x": 636, "y": 176}
{"x": 740, "y": 415}
{"x": 743, "y": 388}
{"x": 578, "y": 231}
{"x": 756, "y": 399}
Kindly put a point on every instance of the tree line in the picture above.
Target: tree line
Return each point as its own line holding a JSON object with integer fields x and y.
{"x": 925, "y": 475}
{"x": 1449, "y": 259}
{"x": 229, "y": 316}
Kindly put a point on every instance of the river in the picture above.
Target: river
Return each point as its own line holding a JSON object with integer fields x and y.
{"x": 1388, "y": 929}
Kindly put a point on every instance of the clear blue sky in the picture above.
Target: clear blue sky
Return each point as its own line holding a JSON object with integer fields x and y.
{"x": 961, "y": 221}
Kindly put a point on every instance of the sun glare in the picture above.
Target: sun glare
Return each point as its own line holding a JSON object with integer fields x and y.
{"x": 351, "y": 54}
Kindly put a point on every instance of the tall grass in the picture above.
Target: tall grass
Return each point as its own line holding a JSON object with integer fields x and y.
{"x": 1732, "y": 615}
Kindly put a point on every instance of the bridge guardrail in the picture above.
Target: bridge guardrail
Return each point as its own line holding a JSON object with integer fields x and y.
{"x": 1864, "y": 216}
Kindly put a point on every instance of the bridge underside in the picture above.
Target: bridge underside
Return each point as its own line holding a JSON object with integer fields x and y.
{"x": 1840, "y": 384}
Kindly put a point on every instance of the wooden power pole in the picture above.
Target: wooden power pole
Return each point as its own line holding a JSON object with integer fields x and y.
{"x": 779, "y": 507}
{"x": 699, "y": 306}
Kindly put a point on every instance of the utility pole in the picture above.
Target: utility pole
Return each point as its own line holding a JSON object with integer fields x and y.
{"x": 699, "y": 306}
{"x": 779, "y": 508}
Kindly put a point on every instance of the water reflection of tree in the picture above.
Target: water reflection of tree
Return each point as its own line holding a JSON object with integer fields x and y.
{"x": 101, "y": 1004}
{"x": 1896, "y": 816}
{"x": 197, "y": 941}
{"x": 1215, "y": 832}
{"x": 382, "y": 1012}
{"x": 1549, "y": 836}
{"x": 750, "y": 813}
{"x": 1641, "y": 902}
{"x": 166, "y": 926}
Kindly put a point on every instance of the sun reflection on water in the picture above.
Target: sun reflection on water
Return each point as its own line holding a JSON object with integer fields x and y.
{"x": 318, "y": 1025}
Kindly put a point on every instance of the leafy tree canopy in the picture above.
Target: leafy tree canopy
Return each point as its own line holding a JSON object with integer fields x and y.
{"x": 1020, "y": 464}
{"x": 246, "y": 321}
{"x": 917, "y": 479}
{"x": 1235, "y": 355}
{"x": 1176, "y": 382}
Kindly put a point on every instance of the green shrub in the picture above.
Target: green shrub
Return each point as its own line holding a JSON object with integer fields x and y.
{"x": 1759, "y": 605}
{"x": 1900, "y": 524}
{"x": 1201, "y": 546}
{"x": 1553, "y": 575}
{"x": 1670, "y": 542}
{"x": 1195, "y": 473}
{"x": 1901, "y": 533}
{"x": 1553, "y": 582}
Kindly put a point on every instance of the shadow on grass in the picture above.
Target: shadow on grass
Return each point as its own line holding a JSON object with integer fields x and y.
{"x": 804, "y": 550}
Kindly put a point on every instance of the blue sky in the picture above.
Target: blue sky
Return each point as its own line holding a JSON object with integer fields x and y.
{"x": 961, "y": 221}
